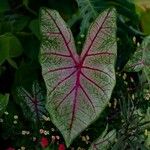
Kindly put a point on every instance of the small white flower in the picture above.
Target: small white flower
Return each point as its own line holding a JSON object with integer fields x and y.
{"x": 131, "y": 79}
{"x": 57, "y": 137}
{"x": 41, "y": 131}
{"x": 27, "y": 132}
{"x": 82, "y": 35}
{"x": 53, "y": 139}
{"x": 1, "y": 120}
{"x": 134, "y": 39}
{"x": 133, "y": 96}
{"x": 46, "y": 132}
{"x": 146, "y": 132}
{"x": 23, "y": 148}
{"x": 124, "y": 76}
{"x": 6, "y": 113}
{"x": 15, "y": 122}
{"x": 52, "y": 129}
{"x": 46, "y": 118}
{"x": 15, "y": 117}
{"x": 79, "y": 42}
{"x": 138, "y": 44}
{"x": 23, "y": 132}
{"x": 34, "y": 138}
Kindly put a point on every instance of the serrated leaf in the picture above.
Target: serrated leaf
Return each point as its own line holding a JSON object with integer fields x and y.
{"x": 78, "y": 86}
{"x": 10, "y": 47}
{"x": 104, "y": 141}
{"x": 34, "y": 101}
{"x": 3, "y": 102}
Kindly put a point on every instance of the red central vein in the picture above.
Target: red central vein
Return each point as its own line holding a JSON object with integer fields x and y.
{"x": 95, "y": 37}
{"x": 101, "y": 53}
{"x": 75, "y": 95}
{"x": 35, "y": 101}
{"x": 137, "y": 64}
{"x": 60, "y": 82}
{"x": 66, "y": 43}
{"x": 93, "y": 82}
{"x": 78, "y": 69}
{"x": 95, "y": 69}
{"x": 87, "y": 96}
{"x": 58, "y": 69}
{"x": 56, "y": 54}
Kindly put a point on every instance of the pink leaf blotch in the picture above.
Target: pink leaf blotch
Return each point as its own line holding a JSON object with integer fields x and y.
{"x": 78, "y": 86}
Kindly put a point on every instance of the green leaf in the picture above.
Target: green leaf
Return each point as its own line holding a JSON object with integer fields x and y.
{"x": 13, "y": 23}
{"x": 105, "y": 141}
{"x": 147, "y": 141}
{"x": 34, "y": 27}
{"x": 88, "y": 13}
{"x": 10, "y": 47}
{"x": 25, "y": 2}
{"x": 143, "y": 10}
{"x": 141, "y": 59}
{"x": 3, "y": 102}
{"x": 78, "y": 86}
{"x": 145, "y": 22}
{"x": 4, "y": 6}
{"x": 18, "y": 22}
{"x": 12, "y": 63}
{"x": 25, "y": 75}
{"x": 32, "y": 104}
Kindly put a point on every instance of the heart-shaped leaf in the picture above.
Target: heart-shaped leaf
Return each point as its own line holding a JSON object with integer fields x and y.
{"x": 32, "y": 102}
{"x": 78, "y": 86}
{"x": 10, "y": 47}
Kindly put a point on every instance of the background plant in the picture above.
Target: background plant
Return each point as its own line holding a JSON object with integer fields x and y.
{"x": 19, "y": 69}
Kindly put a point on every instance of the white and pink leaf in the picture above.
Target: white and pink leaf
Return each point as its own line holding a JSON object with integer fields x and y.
{"x": 78, "y": 86}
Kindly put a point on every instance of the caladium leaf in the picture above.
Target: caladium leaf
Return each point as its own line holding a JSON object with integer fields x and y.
{"x": 141, "y": 59}
{"x": 33, "y": 101}
{"x": 78, "y": 86}
{"x": 104, "y": 141}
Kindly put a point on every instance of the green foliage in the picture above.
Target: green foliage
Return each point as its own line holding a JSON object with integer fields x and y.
{"x": 104, "y": 141}
{"x": 140, "y": 60}
{"x": 127, "y": 114}
{"x": 88, "y": 12}
{"x": 34, "y": 27}
{"x": 3, "y": 103}
{"x": 32, "y": 104}
{"x": 4, "y": 6}
{"x": 143, "y": 10}
{"x": 10, "y": 47}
